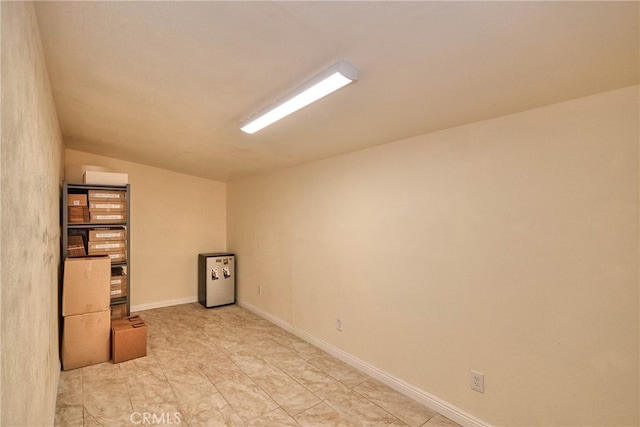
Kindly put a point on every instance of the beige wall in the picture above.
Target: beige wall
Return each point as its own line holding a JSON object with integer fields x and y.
{"x": 173, "y": 218}
{"x": 508, "y": 246}
{"x": 31, "y": 159}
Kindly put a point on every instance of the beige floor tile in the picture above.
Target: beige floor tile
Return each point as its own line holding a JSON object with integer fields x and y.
{"x": 322, "y": 415}
{"x": 109, "y": 408}
{"x": 441, "y": 421}
{"x": 250, "y": 364}
{"x": 211, "y": 411}
{"x": 278, "y": 385}
{"x": 104, "y": 373}
{"x": 338, "y": 370}
{"x": 147, "y": 365}
{"x": 222, "y": 369}
{"x": 70, "y": 388}
{"x": 69, "y": 415}
{"x": 90, "y": 421}
{"x": 189, "y": 384}
{"x": 398, "y": 423}
{"x": 151, "y": 394}
{"x": 277, "y": 417}
{"x": 408, "y": 410}
{"x": 228, "y": 367}
{"x": 247, "y": 399}
{"x": 306, "y": 374}
{"x": 300, "y": 347}
{"x": 300, "y": 402}
{"x": 351, "y": 405}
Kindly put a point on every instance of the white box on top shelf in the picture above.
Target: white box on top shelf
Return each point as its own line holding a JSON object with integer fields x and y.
{"x": 105, "y": 178}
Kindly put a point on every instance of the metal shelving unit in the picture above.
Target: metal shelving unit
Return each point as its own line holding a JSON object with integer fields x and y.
{"x": 68, "y": 188}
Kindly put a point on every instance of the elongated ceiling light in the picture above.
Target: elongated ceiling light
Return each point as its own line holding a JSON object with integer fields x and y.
{"x": 333, "y": 78}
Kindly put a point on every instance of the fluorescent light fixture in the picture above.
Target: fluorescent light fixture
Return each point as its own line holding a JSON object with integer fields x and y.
{"x": 333, "y": 78}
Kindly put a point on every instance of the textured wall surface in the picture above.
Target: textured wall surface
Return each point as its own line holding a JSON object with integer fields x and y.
{"x": 31, "y": 174}
{"x": 508, "y": 246}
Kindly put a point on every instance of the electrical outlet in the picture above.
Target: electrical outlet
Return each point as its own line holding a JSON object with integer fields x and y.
{"x": 339, "y": 323}
{"x": 477, "y": 381}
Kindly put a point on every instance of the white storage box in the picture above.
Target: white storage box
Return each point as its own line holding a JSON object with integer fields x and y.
{"x": 105, "y": 178}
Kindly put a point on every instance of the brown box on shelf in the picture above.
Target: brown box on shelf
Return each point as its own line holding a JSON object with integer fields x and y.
{"x": 75, "y": 247}
{"x": 118, "y": 311}
{"x": 78, "y": 214}
{"x": 107, "y": 217}
{"x": 107, "y": 195}
{"x": 117, "y": 256}
{"x": 86, "y": 286}
{"x": 107, "y": 246}
{"x": 86, "y": 339}
{"x": 108, "y": 205}
{"x": 76, "y": 200}
{"x": 118, "y": 286}
{"x": 128, "y": 338}
{"x": 103, "y": 234}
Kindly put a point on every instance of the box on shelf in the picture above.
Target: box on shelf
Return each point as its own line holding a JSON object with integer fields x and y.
{"x": 118, "y": 286}
{"x": 128, "y": 338}
{"x": 86, "y": 285}
{"x": 105, "y": 178}
{"x": 117, "y": 256}
{"x": 107, "y": 195}
{"x": 75, "y": 246}
{"x": 108, "y": 205}
{"x": 78, "y": 214}
{"x": 86, "y": 339}
{"x": 103, "y": 234}
{"x": 76, "y": 200}
{"x": 104, "y": 247}
{"x": 118, "y": 311}
{"x": 107, "y": 217}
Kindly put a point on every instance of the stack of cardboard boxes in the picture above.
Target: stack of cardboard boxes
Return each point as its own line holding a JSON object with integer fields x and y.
{"x": 89, "y": 336}
{"x": 118, "y": 283}
{"x": 112, "y": 242}
{"x": 93, "y": 329}
{"x": 78, "y": 208}
{"x": 107, "y": 206}
{"x": 109, "y": 241}
{"x": 85, "y": 309}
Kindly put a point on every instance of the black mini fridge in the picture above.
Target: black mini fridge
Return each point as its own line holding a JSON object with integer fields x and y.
{"x": 216, "y": 279}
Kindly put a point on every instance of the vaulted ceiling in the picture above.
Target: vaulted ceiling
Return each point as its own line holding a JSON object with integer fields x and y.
{"x": 167, "y": 83}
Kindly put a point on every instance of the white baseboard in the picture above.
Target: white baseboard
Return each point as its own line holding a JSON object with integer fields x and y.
{"x": 160, "y": 304}
{"x": 430, "y": 401}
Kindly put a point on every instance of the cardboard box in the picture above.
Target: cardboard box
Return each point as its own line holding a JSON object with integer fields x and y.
{"x": 107, "y": 217}
{"x": 104, "y": 247}
{"x": 118, "y": 286}
{"x": 103, "y": 234}
{"x": 108, "y": 205}
{"x": 86, "y": 286}
{"x": 118, "y": 311}
{"x": 107, "y": 195}
{"x": 86, "y": 339}
{"x": 76, "y": 200}
{"x": 117, "y": 256}
{"x": 105, "y": 178}
{"x": 128, "y": 338}
{"x": 75, "y": 246}
{"x": 78, "y": 214}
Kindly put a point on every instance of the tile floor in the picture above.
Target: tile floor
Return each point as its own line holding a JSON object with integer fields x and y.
{"x": 228, "y": 367}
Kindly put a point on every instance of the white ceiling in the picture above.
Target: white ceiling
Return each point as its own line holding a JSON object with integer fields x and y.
{"x": 167, "y": 83}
